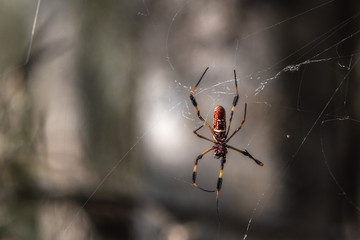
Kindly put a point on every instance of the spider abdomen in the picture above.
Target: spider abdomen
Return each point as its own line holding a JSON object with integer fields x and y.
{"x": 219, "y": 122}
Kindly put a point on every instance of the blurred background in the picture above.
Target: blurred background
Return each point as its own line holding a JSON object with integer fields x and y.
{"x": 96, "y": 124}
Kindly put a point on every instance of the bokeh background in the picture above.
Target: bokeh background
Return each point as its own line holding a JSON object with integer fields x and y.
{"x": 96, "y": 124}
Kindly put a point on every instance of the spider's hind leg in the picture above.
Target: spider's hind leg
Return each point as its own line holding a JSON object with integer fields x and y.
{"x": 235, "y": 101}
{"x": 194, "y": 103}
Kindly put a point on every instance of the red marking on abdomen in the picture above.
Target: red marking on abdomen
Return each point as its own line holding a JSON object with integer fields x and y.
{"x": 219, "y": 121}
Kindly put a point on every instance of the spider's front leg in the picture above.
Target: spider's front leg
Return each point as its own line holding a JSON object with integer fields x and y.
{"x": 220, "y": 179}
{"x": 195, "y": 170}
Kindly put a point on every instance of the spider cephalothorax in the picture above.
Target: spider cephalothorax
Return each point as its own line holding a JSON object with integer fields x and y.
{"x": 220, "y": 150}
{"x": 220, "y": 136}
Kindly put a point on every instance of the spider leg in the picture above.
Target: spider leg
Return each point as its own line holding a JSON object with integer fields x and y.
{"x": 236, "y": 98}
{"x": 227, "y": 140}
{"x": 219, "y": 185}
{"x": 220, "y": 179}
{"x": 193, "y": 101}
{"x": 202, "y": 136}
{"x": 246, "y": 153}
{"x": 195, "y": 169}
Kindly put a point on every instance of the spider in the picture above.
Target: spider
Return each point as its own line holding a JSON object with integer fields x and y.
{"x": 220, "y": 136}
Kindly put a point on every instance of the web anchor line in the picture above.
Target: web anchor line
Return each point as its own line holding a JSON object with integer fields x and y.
{"x": 33, "y": 32}
{"x": 346, "y": 196}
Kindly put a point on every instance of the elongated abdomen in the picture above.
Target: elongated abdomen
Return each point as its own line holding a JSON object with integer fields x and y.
{"x": 219, "y": 122}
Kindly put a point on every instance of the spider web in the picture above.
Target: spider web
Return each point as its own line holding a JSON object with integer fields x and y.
{"x": 218, "y": 91}
{"x": 298, "y": 61}
{"x": 280, "y": 130}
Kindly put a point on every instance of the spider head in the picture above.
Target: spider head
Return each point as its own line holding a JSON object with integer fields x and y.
{"x": 220, "y": 150}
